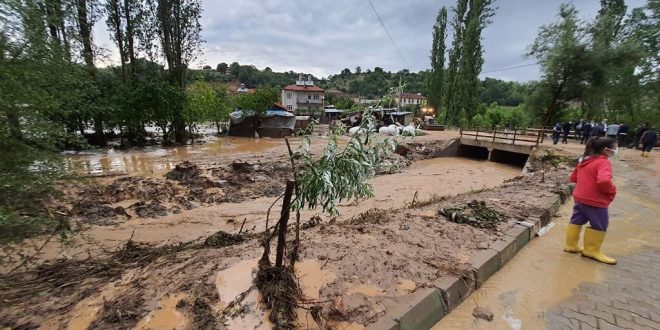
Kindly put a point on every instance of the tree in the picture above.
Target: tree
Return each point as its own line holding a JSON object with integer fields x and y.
{"x": 564, "y": 60}
{"x": 358, "y": 70}
{"x": 437, "y": 78}
{"x": 466, "y": 59}
{"x": 201, "y": 102}
{"x": 179, "y": 31}
{"x": 344, "y": 103}
{"x": 206, "y": 67}
{"x": 454, "y": 79}
{"x": 222, "y": 68}
{"x": 234, "y": 69}
{"x": 259, "y": 101}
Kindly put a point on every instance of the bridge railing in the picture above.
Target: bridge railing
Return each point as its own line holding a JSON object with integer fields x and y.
{"x": 516, "y": 136}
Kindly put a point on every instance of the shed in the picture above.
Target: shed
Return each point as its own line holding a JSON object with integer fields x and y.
{"x": 331, "y": 114}
{"x": 403, "y": 117}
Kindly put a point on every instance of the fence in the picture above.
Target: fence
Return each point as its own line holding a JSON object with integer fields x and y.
{"x": 527, "y": 135}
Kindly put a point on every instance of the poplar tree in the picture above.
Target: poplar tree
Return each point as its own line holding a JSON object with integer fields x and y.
{"x": 437, "y": 78}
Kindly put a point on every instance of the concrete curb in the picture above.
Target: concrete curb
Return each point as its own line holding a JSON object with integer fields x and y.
{"x": 427, "y": 306}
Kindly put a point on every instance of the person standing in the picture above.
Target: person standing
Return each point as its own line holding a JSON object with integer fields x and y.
{"x": 565, "y": 130}
{"x": 556, "y": 133}
{"x": 578, "y": 129}
{"x": 638, "y": 134}
{"x": 586, "y": 132}
{"x": 604, "y": 124}
{"x": 613, "y": 131}
{"x": 622, "y": 137}
{"x": 649, "y": 139}
{"x": 598, "y": 130}
{"x": 593, "y": 193}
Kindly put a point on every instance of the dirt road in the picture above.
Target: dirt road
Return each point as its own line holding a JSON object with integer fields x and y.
{"x": 543, "y": 287}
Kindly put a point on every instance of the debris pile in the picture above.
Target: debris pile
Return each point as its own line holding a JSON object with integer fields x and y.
{"x": 475, "y": 213}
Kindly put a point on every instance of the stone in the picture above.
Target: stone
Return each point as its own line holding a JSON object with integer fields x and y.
{"x": 482, "y": 313}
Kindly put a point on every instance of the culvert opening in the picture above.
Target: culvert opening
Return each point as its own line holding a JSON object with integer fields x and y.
{"x": 508, "y": 157}
{"x": 473, "y": 152}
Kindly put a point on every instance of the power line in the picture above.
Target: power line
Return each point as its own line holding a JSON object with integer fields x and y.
{"x": 388, "y": 34}
{"x": 511, "y": 68}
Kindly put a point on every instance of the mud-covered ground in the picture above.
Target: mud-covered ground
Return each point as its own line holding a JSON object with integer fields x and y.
{"x": 351, "y": 270}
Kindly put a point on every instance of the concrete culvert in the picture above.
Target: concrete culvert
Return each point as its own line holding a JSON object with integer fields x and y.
{"x": 473, "y": 152}
{"x": 508, "y": 157}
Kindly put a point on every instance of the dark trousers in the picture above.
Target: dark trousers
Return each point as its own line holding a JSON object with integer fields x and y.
{"x": 621, "y": 140}
{"x": 585, "y": 138}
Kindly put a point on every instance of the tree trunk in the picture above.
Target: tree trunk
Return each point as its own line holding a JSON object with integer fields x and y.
{"x": 284, "y": 220}
{"x": 130, "y": 49}
{"x": 85, "y": 28}
{"x": 14, "y": 125}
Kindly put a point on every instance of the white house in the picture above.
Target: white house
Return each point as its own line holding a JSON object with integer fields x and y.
{"x": 304, "y": 97}
{"x": 410, "y": 99}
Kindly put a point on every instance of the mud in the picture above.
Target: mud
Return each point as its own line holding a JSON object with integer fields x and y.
{"x": 352, "y": 269}
{"x": 515, "y": 294}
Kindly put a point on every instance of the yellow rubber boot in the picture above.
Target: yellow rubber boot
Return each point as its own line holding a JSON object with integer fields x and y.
{"x": 593, "y": 240}
{"x": 572, "y": 238}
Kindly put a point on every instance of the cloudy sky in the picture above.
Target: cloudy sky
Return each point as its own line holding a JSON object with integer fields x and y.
{"x": 324, "y": 36}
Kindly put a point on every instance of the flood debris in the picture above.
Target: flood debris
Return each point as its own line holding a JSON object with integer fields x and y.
{"x": 222, "y": 239}
{"x": 482, "y": 313}
{"x": 474, "y": 213}
{"x": 312, "y": 222}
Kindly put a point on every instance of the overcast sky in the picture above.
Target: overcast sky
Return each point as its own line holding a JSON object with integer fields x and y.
{"x": 324, "y": 36}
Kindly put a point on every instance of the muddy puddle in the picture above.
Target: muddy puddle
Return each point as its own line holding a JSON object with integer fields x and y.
{"x": 542, "y": 275}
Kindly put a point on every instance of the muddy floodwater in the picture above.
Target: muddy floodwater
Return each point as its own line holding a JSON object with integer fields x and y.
{"x": 541, "y": 277}
{"x": 159, "y": 160}
{"x": 445, "y": 176}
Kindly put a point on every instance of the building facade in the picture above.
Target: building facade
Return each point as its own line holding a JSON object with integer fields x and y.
{"x": 304, "y": 98}
{"x": 405, "y": 99}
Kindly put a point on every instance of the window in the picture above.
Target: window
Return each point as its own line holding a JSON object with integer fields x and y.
{"x": 309, "y": 96}
{"x": 316, "y": 96}
{"x": 288, "y": 95}
{"x": 289, "y": 107}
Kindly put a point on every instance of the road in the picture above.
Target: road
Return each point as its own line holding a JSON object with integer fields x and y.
{"x": 545, "y": 288}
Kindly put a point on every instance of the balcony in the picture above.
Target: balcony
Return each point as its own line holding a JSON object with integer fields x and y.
{"x": 309, "y": 101}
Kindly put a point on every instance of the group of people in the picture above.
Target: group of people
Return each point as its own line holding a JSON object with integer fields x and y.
{"x": 584, "y": 130}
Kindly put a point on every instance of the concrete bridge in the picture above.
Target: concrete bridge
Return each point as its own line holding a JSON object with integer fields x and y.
{"x": 498, "y": 152}
{"x": 510, "y": 147}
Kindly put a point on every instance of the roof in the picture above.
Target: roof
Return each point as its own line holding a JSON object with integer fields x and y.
{"x": 278, "y": 106}
{"x": 412, "y": 96}
{"x": 401, "y": 113}
{"x": 335, "y": 92}
{"x": 299, "y": 88}
{"x": 333, "y": 110}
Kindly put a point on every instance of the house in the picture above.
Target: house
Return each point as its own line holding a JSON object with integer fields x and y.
{"x": 304, "y": 98}
{"x": 404, "y": 99}
{"x": 242, "y": 89}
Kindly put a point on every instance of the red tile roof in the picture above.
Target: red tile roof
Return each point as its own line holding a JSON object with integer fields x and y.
{"x": 299, "y": 88}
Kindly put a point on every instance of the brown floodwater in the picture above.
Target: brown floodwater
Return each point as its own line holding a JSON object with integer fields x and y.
{"x": 151, "y": 161}
{"x": 542, "y": 275}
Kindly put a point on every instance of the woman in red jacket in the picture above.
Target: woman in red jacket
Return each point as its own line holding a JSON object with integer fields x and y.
{"x": 594, "y": 191}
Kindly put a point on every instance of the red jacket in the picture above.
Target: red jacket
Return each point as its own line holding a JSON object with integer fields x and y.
{"x": 593, "y": 178}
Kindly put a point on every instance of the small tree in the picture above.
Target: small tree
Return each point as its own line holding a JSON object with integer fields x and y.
{"x": 340, "y": 173}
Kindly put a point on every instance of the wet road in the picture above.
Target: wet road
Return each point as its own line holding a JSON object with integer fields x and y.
{"x": 545, "y": 288}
